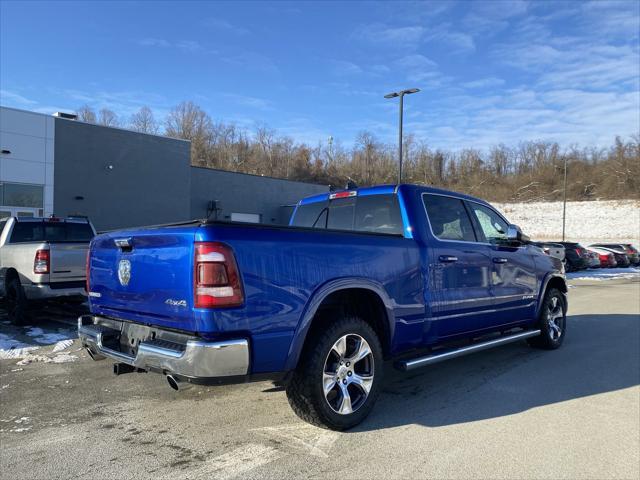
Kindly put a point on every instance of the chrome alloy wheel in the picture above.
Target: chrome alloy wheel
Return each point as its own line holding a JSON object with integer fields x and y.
{"x": 348, "y": 374}
{"x": 555, "y": 318}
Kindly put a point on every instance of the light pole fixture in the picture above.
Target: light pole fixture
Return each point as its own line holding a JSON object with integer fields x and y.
{"x": 400, "y": 94}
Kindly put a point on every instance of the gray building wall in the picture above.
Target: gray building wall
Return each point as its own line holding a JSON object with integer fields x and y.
{"x": 243, "y": 193}
{"x": 120, "y": 178}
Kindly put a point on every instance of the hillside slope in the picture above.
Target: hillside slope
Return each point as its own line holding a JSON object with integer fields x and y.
{"x": 587, "y": 222}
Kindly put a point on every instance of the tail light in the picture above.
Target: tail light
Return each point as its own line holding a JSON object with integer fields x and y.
{"x": 216, "y": 282}
{"x": 41, "y": 262}
{"x": 579, "y": 251}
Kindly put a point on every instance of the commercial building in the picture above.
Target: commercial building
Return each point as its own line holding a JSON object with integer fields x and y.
{"x": 121, "y": 178}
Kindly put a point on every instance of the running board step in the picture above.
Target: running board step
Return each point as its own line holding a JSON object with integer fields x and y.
{"x": 459, "y": 352}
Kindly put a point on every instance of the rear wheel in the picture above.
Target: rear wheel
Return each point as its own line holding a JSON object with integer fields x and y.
{"x": 338, "y": 379}
{"x": 16, "y": 302}
{"x": 552, "y": 321}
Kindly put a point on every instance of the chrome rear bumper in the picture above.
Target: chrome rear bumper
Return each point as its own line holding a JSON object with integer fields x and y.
{"x": 164, "y": 352}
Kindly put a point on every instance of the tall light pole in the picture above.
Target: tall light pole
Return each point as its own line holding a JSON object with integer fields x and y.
{"x": 400, "y": 94}
{"x": 564, "y": 200}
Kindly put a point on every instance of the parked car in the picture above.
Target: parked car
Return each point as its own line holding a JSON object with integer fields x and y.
{"x": 622, "y": 259}
{"x": 593, "y": 257}
{"x": 627, "y": 248}
{"x": 390, "y": 272}
{"x": 607, "y": 259}
{"x": 42, "y": 258}
{"x": 576, "y": 257}
{"x": 632, "y": 253}
{"x": 554, "y": 249}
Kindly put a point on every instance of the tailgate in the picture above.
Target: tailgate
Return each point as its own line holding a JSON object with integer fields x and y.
{"x": 144, "y": 275}
{"x": 68, "y": 261}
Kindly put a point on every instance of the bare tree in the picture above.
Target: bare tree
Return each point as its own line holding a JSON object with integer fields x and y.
{"x": 86, "y": 114}
{"x": 190, "y": 122}
{"x": 108, "y": 118}
{"x": 143, "y": 121}
{"x": 529, "y": 171}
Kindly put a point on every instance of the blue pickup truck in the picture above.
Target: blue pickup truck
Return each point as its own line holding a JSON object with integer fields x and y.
{"x": 404, "y": 273}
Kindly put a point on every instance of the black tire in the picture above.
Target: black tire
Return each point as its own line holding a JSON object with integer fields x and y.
{"x": 16, "y": 302}
{"x": 552, "y": 331}
{"x": 305, "y": 390}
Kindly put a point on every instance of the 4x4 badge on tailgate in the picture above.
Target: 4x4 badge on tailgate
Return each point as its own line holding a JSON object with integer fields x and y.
{"x": 176, "y": 303}
{"x": 124, "y": 272}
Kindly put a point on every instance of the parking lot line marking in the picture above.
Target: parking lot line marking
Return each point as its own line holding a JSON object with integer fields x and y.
{"x": 236, "y": 462}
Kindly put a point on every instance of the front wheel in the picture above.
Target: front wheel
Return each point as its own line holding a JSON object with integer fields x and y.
{"x": 338, "y": 379}
{"x": 552, "y": 321}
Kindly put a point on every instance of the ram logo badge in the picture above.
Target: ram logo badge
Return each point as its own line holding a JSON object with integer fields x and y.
{"x": 124, "y": 272}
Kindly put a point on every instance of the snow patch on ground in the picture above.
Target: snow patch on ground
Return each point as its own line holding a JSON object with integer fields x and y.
{"x": 12, "y": 348}
{"x": 62, "y": 345}
{"x": 29, "y": 346}
{"x": 46, "y": 338}
{"x": 58, "y": 358}
{"x": 605, "y": 274}
{"x": 64, "y": 358}
{"x": 587, "y": 222}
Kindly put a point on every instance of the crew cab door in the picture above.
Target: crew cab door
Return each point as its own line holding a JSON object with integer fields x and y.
{"x": 459, "y": 284}
{"x": 513, "y": 275}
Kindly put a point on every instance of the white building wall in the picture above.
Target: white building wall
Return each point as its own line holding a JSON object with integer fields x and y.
{"x": 29, "y": 137}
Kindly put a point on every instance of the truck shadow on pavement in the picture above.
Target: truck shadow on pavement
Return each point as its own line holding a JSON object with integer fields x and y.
{"x": 601, "y": 354}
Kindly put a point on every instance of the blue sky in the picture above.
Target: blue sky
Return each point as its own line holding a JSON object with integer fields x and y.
{"x": 490, "y": 72}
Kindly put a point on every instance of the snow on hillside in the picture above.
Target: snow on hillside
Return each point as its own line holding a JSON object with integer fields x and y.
{"x": 587, "y": 222}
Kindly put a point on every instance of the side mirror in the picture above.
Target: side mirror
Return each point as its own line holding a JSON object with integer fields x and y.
{"x": 515, "y": 235}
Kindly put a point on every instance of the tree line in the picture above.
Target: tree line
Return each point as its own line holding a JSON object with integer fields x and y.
{"x": 529, "y": 171}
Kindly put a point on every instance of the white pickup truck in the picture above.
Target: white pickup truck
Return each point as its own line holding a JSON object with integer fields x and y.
{"x": 42, "y": 258}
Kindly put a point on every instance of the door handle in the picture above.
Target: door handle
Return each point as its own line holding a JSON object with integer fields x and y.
{"x": 500, "y": 260}
{"x": 447, "y": 258}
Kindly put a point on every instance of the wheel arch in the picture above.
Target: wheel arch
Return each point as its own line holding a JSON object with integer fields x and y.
{"x": 7, "y": 275}
{"x": 357, "y": 296}
{"x": 552, "y": 281}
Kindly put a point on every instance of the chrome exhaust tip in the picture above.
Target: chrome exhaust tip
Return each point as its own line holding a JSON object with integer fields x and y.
{"x": 173, "y": 382}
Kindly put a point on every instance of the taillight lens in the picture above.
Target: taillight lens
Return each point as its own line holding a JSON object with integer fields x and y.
{"x": 216, "y": 282}
{"x": 579, "y": 251}
{"x": 41, "y": 262}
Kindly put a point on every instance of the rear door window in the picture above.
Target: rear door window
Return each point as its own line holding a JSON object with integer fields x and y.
{"x": 378, "y": 214}
{"x": 448, "y": 218}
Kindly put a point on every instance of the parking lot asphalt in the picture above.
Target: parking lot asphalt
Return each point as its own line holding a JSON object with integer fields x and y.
{"x": 512, "y": 412}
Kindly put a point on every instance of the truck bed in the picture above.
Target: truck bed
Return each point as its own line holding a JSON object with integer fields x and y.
{"x": 280, "y": 267}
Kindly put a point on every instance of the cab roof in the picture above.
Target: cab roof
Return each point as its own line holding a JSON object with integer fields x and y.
{"x": 386, "y": 189}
